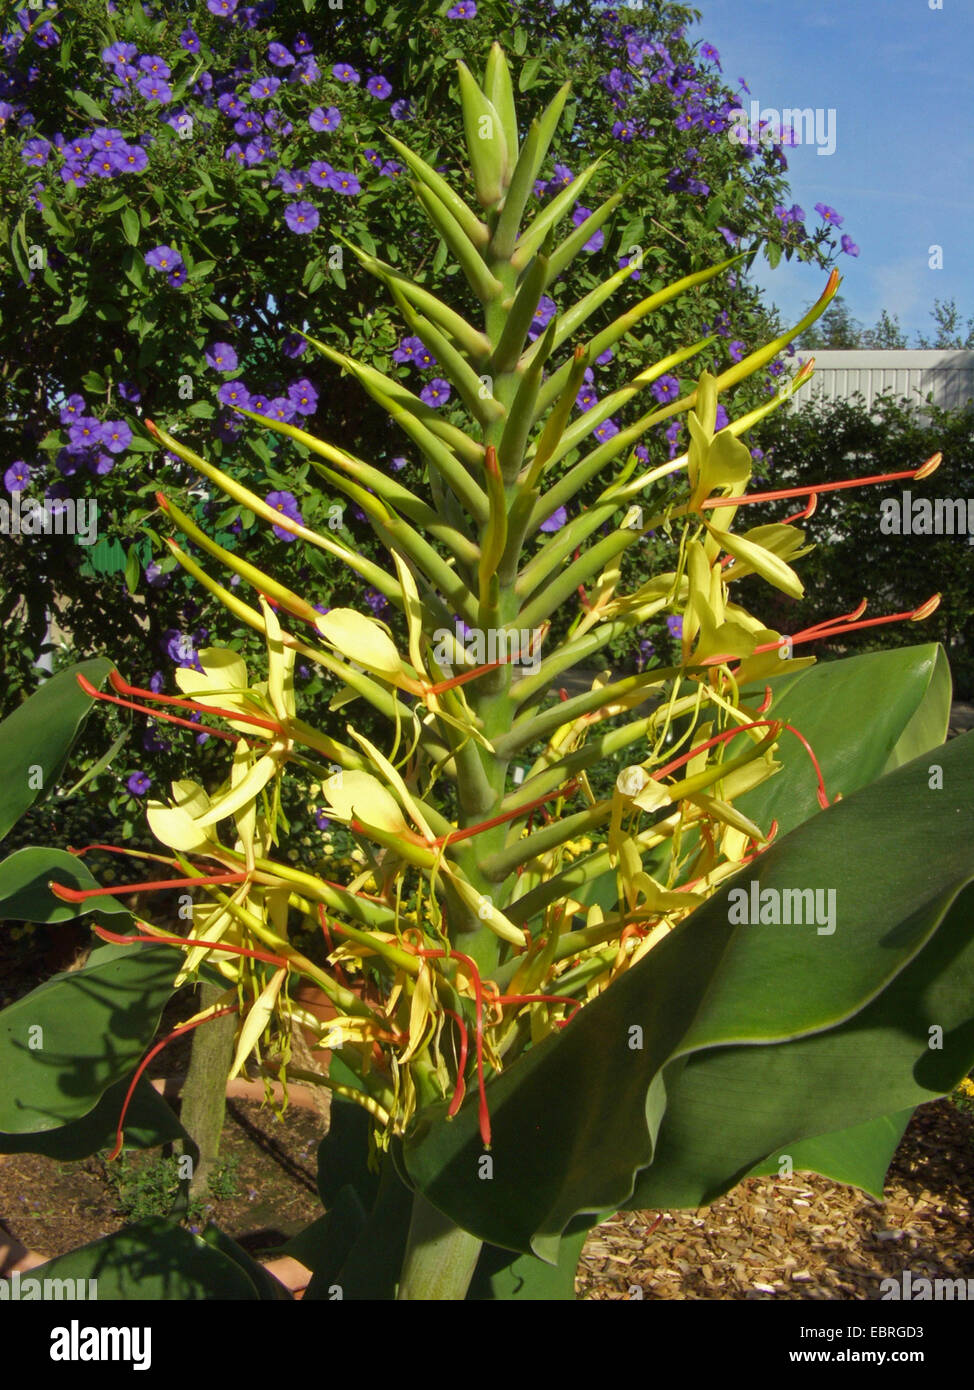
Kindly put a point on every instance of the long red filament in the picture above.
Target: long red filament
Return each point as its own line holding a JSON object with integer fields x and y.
{"x": 124, "y": 688}
{"x": 89, "y": 689}
{"x": 80, "y": 895}
{"x": 776, "y": 724}
{"x": 177, "y": 1032}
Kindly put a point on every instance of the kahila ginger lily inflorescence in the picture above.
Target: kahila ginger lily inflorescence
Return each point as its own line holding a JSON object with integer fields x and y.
{"x": 475, "y": 920}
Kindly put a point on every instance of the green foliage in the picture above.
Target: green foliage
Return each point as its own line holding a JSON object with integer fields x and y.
{"x": 854, "y": 558}
{"x": 542, "y": 1036}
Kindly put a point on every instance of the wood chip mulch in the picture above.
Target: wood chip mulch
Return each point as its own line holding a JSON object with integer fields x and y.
{"x": 802, "y": 1237}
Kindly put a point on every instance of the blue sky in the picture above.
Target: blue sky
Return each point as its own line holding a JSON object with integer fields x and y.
{"x": 898, "y": 76}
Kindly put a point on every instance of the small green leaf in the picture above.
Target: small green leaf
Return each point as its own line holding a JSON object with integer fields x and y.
{"x": 131, "y": 226}
{"x": 74, "y": 311}
{"x": 92, "y": 381}
{"x": 89, "y": 107}
{"x": 132, "y": 571}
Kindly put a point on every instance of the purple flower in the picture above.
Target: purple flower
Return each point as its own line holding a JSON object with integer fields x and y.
{"x": 155, "y": 89}
{"x": 234, "y": 393}
{"x": 103, "y": 164}
{"x": 119, "y": 53}
{"x": 321, "y": 820}
{"x": 73, "y": 407}
{"x": 46, "y": 36}
{"x": 624, "y": 261}
{"x": 624, "y": 131}
{"x": 563, "y": 177}
{"x": 132, "y": 160}
{"x": 466, "y": 9}
{"x": 179, "y": 647}
{"x": 829, "y": 215}
{"x": 129, "y": 392}
{"x": 303, "y": 396}
{"x": 107, "y": 138}
{"x": 17, "y": 476}
{"x": 606, "y": 430}
{"x": 556, "y": 521}
{"x": 390, "y": 169}
{"x": 301, "y": 217}
{"x": 85, "y": 433}
{"x": 407, "y": 350}
{"x": 849, "y": 246}
{"x": 398, "y": 463}
{"x": 306, "y": 72}
{"x": 722, "y": 419}
{"x": 116, "y": 436}
{"x": 321, "y": 119}
{"x": 586, "y": 398}
{"x": 545, "y": 312}
{"x": 401, "y": 110}
{"x": 287, "y": 504}
{"x": 178, "y": 276}
{"x": 341, "y": 182}
{"x": 376, "y": 601}
{"x": 320, "y": 172}
{"x": 35, "y": 152}
{"x": 157, "y": 680}
{"x": 597, "y": 240}
{"x": 258, "y": 404}
{"x": 101, "y": 464}
{"x": 221, "y": 8}
{"x": 280, "y": 56}
{"x": 235, "y": 151}
{"x": 710, "y": 53}
{"x": 435, "y": 392}
{"x": 264, "y": 87}
{"x": 736, "y": 350}
{"x": 294, "y": 345}
{"x": 154, "y": 66}
{"x": 163, "y": 258}
{"x": 646, "y": 650}
{"x": 378, "y": 87}
{"x": 280, "y": 408}
{"x": 344, "y": 72}
{"x": 256, "y": 151}
{"x": 138, "y": 784}
{"x": 189, "y": 41}
{"x": 675, "y": 626}
{"x": 666, "y": 389}
{"x": 221, "y": 357}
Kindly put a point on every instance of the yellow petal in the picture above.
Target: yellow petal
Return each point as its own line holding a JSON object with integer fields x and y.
{"x": 358, "y": 795}
{"x": 257, "y": 1020}
{"x": 361, "y": 639}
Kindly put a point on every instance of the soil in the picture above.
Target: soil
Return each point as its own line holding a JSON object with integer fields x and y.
{"x": 801, "y": 1237}
{"x": 797, "y": 1238}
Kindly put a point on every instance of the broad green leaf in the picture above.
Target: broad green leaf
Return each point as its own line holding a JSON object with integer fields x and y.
{"x": 26, "y": 897}
{"x": 131, "y": 226}
{"x": 858, "y": 1156}
{"x": 65, "y": 1043}
{"x": 902, "y": 697}
{"x": 156, "y": 1259}
{"x": 752, "y": 1037}
{"x": 35, "y": 740}
{"x": 149, "y": 1121}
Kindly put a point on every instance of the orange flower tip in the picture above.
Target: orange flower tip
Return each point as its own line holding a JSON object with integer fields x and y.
{"x": 835, "y": 279}
{"x": 925, "y": 609}
{"x": 860, "y": 610}
{"x": 931, "y": 466}
{"x": 87, "y": 686}
{"x": 162, "y": 501}
{"x": 152, "y": 429}
{"x": 579, "y": 352}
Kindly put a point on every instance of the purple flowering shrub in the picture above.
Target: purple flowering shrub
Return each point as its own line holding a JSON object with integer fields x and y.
{"x": 176, "y": 213}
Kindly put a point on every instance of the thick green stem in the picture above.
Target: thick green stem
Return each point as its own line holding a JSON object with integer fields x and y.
{"x": 440, "y": 1257}
{"x": 204, "y": 1094}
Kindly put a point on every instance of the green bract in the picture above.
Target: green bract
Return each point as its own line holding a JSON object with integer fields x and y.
{"x": 579, "y": 1001}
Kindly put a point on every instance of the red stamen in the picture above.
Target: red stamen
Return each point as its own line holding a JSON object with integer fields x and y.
{"x": 474, "y": 973}
{"x": 777, "y": 494}
{"x": 765, "y": 704}
{"x": 89, "y": 689}
{"x": 472, "y": 830}
{"x": 323, "y": 921}
{"x": 775, "y": 724}
{"x": 806, "y": 511}
{"x": 124, "y": 688}
{"x": 80, "y": 895}
{"x": 163, "y": 940}
{"x": 177, "y": 1032}
{"x": 461, "y": 1087}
